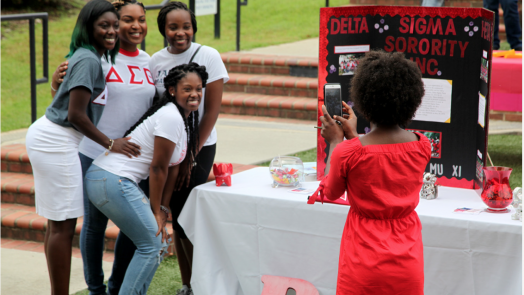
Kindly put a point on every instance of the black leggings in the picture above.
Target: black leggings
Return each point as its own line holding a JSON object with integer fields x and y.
{"x": 199, "y": 175}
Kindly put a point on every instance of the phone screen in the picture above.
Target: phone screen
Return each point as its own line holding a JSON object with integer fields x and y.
{"x": 333, "y": 101}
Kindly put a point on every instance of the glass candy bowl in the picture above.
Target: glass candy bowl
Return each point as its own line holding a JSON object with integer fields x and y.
{"x": 286, "y": 171}
{"x": 496, "y": 192}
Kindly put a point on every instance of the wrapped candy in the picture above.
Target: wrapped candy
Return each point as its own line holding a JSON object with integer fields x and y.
{"x": 286, "y": 171}
{"x": 222, "y": 172}
{"x": 285, "y": 176}
{"x": 429, "y": 190}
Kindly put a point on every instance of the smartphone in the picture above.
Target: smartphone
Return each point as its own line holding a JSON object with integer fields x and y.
{"x": 333, "y": 99}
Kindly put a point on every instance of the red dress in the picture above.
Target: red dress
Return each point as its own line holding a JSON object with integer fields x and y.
{"x": 381, "y": 248}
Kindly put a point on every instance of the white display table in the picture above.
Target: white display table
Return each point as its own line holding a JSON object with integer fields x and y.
{"x": 250, "y": 229}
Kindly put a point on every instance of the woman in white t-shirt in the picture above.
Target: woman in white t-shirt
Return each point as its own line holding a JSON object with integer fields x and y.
{"x": 166, "y": 133}
{"x": 178, "y": 25}
{"x": 131, "y": 90}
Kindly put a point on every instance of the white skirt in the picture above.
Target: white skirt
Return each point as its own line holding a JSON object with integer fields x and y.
{"x": 53, "y": 152}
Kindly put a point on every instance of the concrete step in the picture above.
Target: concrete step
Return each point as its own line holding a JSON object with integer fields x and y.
{"x": 505, "y": 116}
{"x": 19, "y": 188}
{"x": 291, "y": 107}
{"x": 272, "y": 85}
{"x": 14, "y": 159}
{"x": 248, "y": 63}
{"x": 20, "y": 222}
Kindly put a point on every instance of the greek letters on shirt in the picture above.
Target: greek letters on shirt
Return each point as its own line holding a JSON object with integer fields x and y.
{"x": 101, "y": 99}
{"x": 137, "y": 75}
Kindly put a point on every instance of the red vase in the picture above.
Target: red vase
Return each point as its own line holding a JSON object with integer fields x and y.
{"x": 496, "y": 193}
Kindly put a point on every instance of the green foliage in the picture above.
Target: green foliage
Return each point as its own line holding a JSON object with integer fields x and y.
{"x": 167, "y": 278}
{"x": 504, "y": 46}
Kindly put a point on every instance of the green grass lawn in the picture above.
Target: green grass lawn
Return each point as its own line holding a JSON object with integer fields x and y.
{"x": 166, "y": 281}
{"x": 264, "y": 23}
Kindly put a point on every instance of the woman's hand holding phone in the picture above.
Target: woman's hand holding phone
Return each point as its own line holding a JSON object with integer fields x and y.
{"x": 349, "y": 122}
{"x": 331, "y": 131}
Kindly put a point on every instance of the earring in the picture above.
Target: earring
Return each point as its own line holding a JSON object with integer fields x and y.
{"x": 172, "y": 94}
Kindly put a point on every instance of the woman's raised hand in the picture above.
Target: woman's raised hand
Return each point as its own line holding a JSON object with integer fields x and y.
{"x": 126, "y": 147}
{"x": 331, "y": 131}
{"x": 60, "y": 72}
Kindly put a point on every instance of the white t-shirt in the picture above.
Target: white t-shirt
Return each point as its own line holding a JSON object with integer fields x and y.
{"x": 131, "y": 90}
{"x": 167, "y": 123}
{"x": 163, "y": 61}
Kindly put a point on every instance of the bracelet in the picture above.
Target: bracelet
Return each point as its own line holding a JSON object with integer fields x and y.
{"x": 55, "y": 90}
{"x": 164, "y": 209}
{"x": 110, "y": 146}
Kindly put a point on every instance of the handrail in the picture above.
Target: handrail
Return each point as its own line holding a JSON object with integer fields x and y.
{"x": 32, "y": 52}
{"x": 239, "y": 3}
{"x": 153, "y": 7}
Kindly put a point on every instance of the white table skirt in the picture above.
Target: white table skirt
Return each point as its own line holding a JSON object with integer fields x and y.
{"x": 248, "y": 230}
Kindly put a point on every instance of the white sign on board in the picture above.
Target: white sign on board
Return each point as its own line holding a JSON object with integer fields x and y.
{"x": 205, "y": 7}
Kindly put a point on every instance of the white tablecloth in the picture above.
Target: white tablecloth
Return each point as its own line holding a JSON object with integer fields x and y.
{"x": 250, "y": 229}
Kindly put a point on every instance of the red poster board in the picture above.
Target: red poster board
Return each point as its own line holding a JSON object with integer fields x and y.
{"x": 452, "y": 47}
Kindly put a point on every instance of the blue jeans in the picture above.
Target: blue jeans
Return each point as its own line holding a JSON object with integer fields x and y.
{"x": 511, "y": 21}
{"x": 122, "y": 201}
{"x": 92, "y": 239}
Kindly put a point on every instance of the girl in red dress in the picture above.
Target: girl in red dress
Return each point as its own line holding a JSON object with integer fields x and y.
{"x": 381, "y": 248}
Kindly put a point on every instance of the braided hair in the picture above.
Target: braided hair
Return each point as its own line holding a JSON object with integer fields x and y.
{"x": 191, "y": 123}
{"x": 118, "y": 4}
{"x": 173, "y": 5}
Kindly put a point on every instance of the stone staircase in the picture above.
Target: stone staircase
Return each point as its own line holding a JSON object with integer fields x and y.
{"x": 270, "y": 86}
{"x": 18, "y": 218}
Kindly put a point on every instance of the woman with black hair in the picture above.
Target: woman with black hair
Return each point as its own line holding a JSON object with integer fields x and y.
{"x": 52, "y": 141}
{"x": 131, "y": 91}
{"x": 178, "y": 25}
{"x": 166, "y": 133}
{"x": 381, "y": 250}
